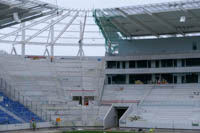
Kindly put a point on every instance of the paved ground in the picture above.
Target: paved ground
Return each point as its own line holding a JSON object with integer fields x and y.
{"x": 60, "y": 130}
{"x": 37, "y": 131}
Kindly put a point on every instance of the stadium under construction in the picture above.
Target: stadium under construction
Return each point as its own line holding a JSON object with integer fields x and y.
{"x": 148, "y": 78}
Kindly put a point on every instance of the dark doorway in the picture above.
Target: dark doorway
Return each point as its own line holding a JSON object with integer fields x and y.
{"x": 119, "y": 112}
{"x": 77, "y": 98}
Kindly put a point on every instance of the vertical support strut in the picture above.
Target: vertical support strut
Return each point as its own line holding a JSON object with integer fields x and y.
{"x": 81, "y": 53}
{"x": 52, "y": 39}
{"x": 82, "y": 31}
{"x": 13, "y": 50}
{"x": 23, "y": 39}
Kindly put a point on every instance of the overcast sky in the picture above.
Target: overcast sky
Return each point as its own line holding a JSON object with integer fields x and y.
{"x": 89, "y": 4}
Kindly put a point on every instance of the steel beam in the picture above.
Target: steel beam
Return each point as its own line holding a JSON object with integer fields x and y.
{"x": 47, "y": 27}
{"x": 162, "y": 21}
{"x": 137, "y": 22}
{"x": 52, "y": 39}
{"x": 28, "y": 26}
{"x": 56, "y": 44}
{"x": 65, "y": 28}
{"x": 119, "y": 26}
{"x": 82, "y": 31}
{"x": 23, "y": 49}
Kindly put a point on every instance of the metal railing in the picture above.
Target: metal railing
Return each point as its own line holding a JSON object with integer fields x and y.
{"x": 15, "y": 95}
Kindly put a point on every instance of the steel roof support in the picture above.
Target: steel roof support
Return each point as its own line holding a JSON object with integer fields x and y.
{"x": 52, "y": 39}
{"x": 162, "y": 21}
{"x": 137, "y": 22}
{"x": 46, "y": 51}
{"x": 47, "y": 27}
{"x": 23, "y": 49}
{"x": 65, "y": 28}
{"x": 120, "y": 27}
{"x": 56, "y": 44}
{"x": 11, "y": 8}
{"x": 13, "y": 50}
{"x": 81, "y": 54}
{"x": 28, "y": 26}
{"x": 190, "y": 13}
{"x": 105, "y": 34}
{"x": 82, "y": 31}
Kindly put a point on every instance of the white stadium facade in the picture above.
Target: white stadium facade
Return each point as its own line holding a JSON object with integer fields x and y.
{"x": 148, "y": 78}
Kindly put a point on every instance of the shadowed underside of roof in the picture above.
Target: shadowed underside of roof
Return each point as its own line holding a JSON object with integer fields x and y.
{"x": 15, "y": 11}
{"x": 150, "y": 20}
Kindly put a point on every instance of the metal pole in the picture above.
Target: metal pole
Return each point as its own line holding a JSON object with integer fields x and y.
{"x": 23, "y": 39}
{"x": 52, "y": 39}
{"x": 82, "y": 31}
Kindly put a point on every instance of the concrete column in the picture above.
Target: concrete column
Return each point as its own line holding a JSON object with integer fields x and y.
{"x": 179, "y": 64}
{"x": 121, "y": 64}
{"x": 198, "y": 77}
{"x": 153, "y": 77}
{"x": 127, "y": 79}
{"x": 179, "y": 79}
{"x": 153, "y": 64}
{"x": 160, "y": 65}
{"x": 136, "y": 65}
{"x": 127, "y": 64}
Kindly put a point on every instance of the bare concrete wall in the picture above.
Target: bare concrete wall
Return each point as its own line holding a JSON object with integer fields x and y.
{"x": 110, "y": 118}
{"x": 158, "y": 45}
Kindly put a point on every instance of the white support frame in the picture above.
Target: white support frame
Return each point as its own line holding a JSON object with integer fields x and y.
{"x": 52, "y": 39}
{"x": 23, "y": 49}
{"x": 82, "y": 31}
{"x": 47, "y": 27}
{"x": 30, "y": 32}
{"x": 28, "y": 26}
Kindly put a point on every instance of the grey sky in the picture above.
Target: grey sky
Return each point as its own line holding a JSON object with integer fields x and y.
{"x": 89, "y": 4}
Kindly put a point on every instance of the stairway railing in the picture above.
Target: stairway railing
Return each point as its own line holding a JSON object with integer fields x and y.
{"x": 15, "y": 95}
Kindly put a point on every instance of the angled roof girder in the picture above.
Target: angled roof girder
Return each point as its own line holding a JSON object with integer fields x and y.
{"x": 137, "y": 22}
{"x": 47, "y": 27}
{"x": 64, "y": 29}
{"x": 28, "y": 26}
{"x": 191, "y": 13}
{"x": 12, "y": 8}
{"x": 162, "y": 21}
{"x": 119, "y": 26}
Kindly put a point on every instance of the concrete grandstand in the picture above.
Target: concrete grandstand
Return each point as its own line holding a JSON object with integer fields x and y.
{"x": 148, "y": 78}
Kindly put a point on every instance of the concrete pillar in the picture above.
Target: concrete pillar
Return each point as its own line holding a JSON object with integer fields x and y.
{"x": 121, "y": 64}
{"x": 153, "y": 77}
{"x": 127, "y": 79}
{"x": 160, "y": 64}
{"x": 136, "y": 65}
{"x": 198, "y": 77}
{"x": 179, "y": 64}
{"x": 179, "y": 79}
{"x": 127, "y": 64}
{"x": 153, "y": 64}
